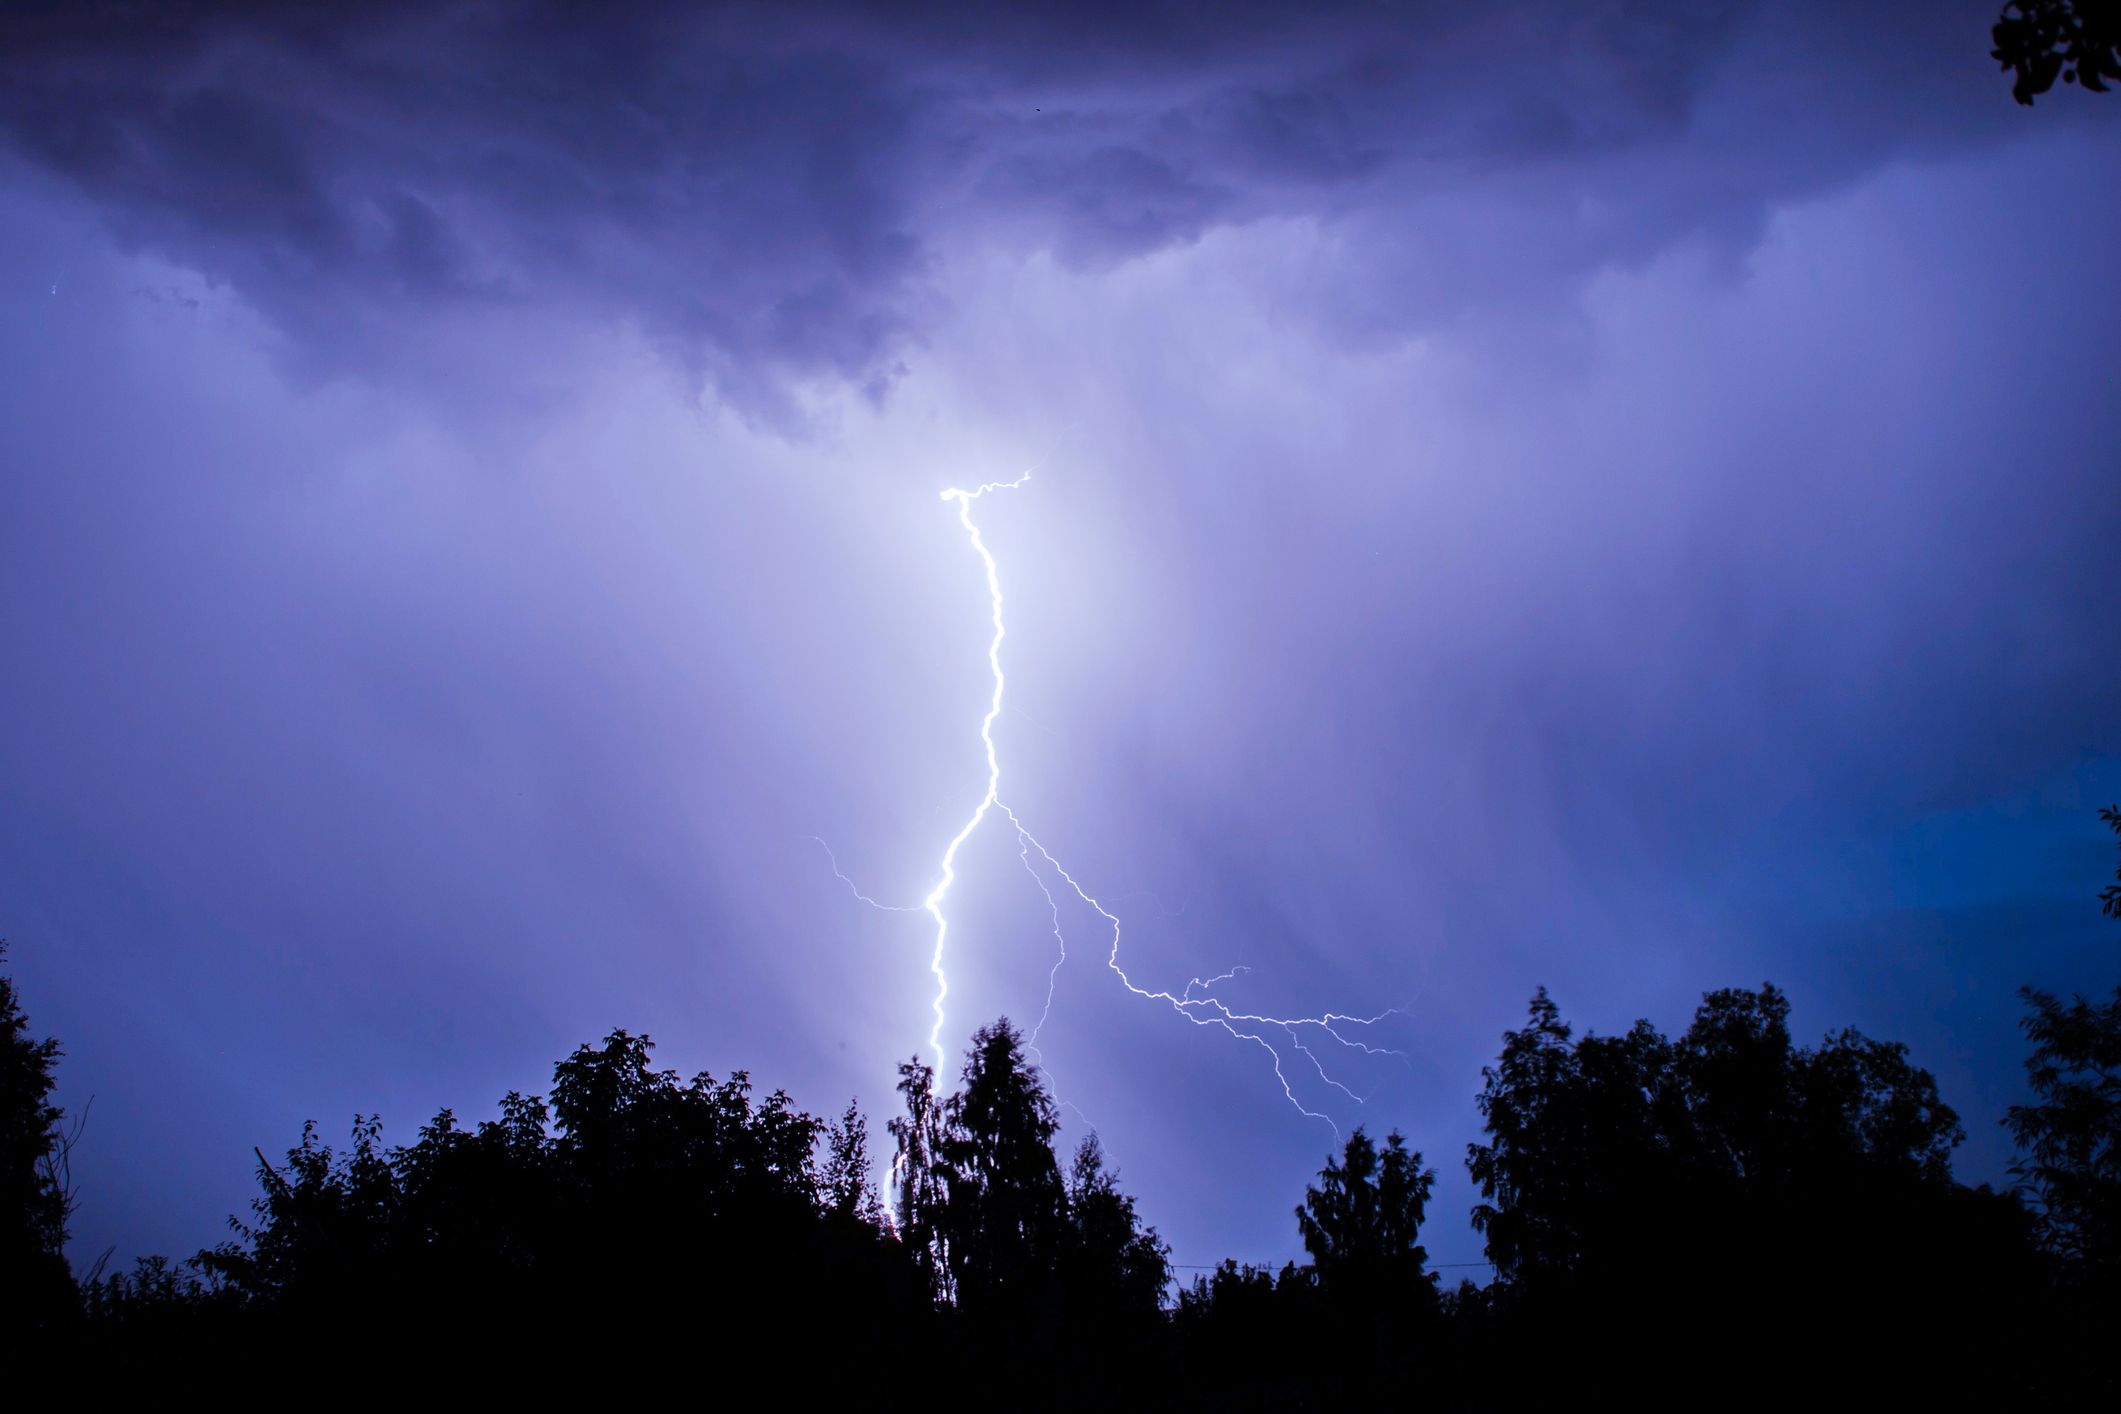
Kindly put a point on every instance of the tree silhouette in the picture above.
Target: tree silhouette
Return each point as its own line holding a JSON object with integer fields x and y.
{"x": 1635, "y": 1179}
{"x": 2079, "y": 40}
{"x": 2071, "y": 1135}
{"x": 1730, "y": 1209}
{"x": 2110, "y": 896}
{"x": 1028, "y": 1270}
{"x": 1005, "y": 1199}
{"x": 1362, "y": 1222}
{"x": 919, "y": 1172}
{"x": 323, "y": 1229}
{"x": 847, "y": 1191}
{"x": 638, "y": 1212}
{"x": 36, "y": 1288}
{"x": 1251, "y": 1340}
{"x": 1113, "y": 1268}
{"x": 1587, "y": 1140}
{"x": 1367, "y": 1301}
{"x": 1533, "y": 1105}
{"x": 1356, "y": 1325}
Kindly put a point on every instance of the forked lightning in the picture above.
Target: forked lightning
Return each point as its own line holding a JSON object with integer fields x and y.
{"x": 1196, "y": 1002}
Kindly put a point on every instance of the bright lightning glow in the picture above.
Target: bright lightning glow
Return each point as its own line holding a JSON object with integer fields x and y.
{"x": 1196, "y": 1002}
{"x": 934, "y": 902}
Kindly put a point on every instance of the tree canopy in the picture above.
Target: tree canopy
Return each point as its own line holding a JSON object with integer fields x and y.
{"x": 1026, "y": 1258}
{"x": 1362, "y": 1222}
{"x": 34, "y": 1196}
{"x": 2076, "y": 40}
{"x": 2070, "y": 1135}
{"x": 1729, "y": 1208}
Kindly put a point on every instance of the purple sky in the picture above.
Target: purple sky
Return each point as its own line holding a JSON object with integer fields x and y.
{"x": 1617, "y": 496}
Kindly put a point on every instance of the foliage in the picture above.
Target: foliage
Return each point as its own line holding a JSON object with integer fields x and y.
{"x": 845, "y": 1186}
{"x": 1113, "y": 1268}
{"x": 1739, "y": 1195}
{"x": 161, "y": 1308}
{"x": 1361, "y": 1223}
{"x": 35, "y": 1194}
{"x": 2110, "y": 896}
{"x": 1738, "y": 1191}
{"x": 920, "y": 1173}
{"x": 2079, "y": 40}
{"x": 637, "y": 1203}
{"x": 1588, "y": 1142}
{"x": 1028, "y": 1261}
{"x": 1005, "y": 1203}
{"x": 2071, "y": 1135}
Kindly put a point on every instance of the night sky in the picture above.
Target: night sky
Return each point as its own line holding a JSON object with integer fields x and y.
{"x": 1617, "y": 496}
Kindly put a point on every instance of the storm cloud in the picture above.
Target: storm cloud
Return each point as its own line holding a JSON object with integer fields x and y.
{"x": 772, "y": 202}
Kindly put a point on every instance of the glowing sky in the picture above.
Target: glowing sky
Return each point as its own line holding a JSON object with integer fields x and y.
{"x": 1616, "y": 496}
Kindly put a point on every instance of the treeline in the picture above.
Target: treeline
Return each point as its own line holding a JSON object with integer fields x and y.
{"x": 1725, "y": 1217}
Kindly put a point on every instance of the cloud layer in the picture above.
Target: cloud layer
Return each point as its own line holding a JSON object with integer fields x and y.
{"x": 773, "y": 203}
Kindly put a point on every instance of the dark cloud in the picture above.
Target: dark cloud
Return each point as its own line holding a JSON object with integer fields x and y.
{"x": 738, "y": 204}
{"x": 1109, "y": 203}
{"x": 762, "y": 195}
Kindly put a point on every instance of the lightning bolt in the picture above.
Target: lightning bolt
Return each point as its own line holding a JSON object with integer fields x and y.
{"x": 934, "y": 902}
{"x": 1196, "y": 1002}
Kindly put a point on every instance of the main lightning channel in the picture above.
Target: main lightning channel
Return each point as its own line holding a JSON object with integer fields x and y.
{"x": 1196, "y": 1002}
{"x": 934, "y": 902}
